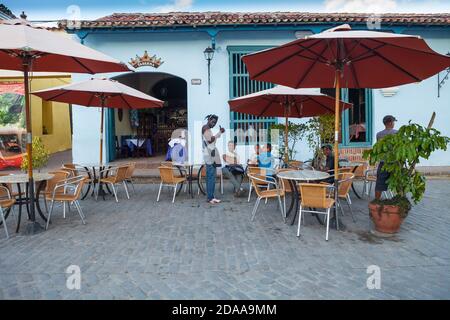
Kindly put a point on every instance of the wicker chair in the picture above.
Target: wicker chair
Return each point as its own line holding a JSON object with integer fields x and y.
{"x": 258, "y": 184}
{"x": 129, "y": 174}
{"x": 67, "y": 191}
{"x": 6, "y": 202}
{"x": 259, "y": 173}
{"x": 114, "y": 176}
{"x": 315, "y": 195}
{"x": 58, "y": 176}
{"x": 169, "y": 179}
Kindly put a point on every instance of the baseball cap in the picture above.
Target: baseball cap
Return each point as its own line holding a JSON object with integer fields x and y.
{"x": 389, "y": 118}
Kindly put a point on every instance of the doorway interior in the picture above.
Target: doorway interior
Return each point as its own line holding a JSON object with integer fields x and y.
{"x": 143, "y": 134}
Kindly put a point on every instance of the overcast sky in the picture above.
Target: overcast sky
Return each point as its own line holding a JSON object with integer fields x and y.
{"x": 92, "y": 9}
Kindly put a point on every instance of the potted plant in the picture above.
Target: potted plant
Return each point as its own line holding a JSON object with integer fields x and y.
{"x": 401, "y": 153}
{"x": 40, "y": 155}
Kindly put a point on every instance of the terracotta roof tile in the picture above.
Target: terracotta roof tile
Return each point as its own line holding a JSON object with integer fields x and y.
{"x": 186, "y": 19}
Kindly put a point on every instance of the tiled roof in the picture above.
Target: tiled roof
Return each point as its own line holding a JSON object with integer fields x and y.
{"x": 193, "y": 19}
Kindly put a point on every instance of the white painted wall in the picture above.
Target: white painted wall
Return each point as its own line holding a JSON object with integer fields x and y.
{"x": 182, "y": 54}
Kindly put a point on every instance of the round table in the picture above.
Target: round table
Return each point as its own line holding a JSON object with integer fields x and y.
{"x": 93, "y": 172}
{"x": 20, "y": 179}
{"x": 294, "y": 176}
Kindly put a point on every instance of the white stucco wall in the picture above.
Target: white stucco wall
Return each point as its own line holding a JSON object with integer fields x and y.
{"x": 182, "y": 53}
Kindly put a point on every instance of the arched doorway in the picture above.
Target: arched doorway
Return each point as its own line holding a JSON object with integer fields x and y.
{"x": 154, "y": 126}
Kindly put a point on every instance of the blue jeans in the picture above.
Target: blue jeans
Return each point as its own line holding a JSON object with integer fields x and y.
{"x": 210, "y": 181}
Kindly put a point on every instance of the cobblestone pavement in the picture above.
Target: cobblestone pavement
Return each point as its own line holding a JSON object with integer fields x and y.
{"x": 141, "y": 249}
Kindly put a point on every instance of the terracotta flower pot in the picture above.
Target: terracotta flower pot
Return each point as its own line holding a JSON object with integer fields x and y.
{"x": 386, "y": 218}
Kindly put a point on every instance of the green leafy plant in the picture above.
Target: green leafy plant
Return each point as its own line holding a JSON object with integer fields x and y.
{"x": 295, "y": 133}
{"x": 319, "y": 131}
{"x": 401, "y": 153}
{"x": 40, "y": 155}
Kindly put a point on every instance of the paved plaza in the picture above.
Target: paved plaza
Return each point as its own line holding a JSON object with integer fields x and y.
{"x": 141, "y": 249}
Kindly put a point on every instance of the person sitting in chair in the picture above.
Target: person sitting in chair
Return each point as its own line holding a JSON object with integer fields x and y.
{"x": 233, "y": 170}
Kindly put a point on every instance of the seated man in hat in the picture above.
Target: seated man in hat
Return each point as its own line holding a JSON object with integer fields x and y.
{"x": 382, "y": 176}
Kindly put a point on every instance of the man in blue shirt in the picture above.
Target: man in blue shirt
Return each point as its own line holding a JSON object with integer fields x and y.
{"x": 265, "y": 158}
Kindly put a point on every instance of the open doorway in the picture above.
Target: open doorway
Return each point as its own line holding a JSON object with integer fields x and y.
{"x": 145, "y": 133}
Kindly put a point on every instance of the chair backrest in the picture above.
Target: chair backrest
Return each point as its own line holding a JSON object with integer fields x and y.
{"x": 257, "y": 182}
{"x": 167, "y": 175}
{"x": 3, "y": 191}
{"x": 121, "y": 174}
{"x": 130, "y": 170}
{"x": 345, "y": 169}
{"x": 313, "y": 195}
{"x": 167, "y": 164}
{"x": 295, "y": 164}
{"x": 360, "y": 171}
{"x": 58, "y": 176}
{"x": 345, "y": 183}
{"x": 285, "y": 184}
{"x": 257, "y": 171}
{"x": 72, "y": 167}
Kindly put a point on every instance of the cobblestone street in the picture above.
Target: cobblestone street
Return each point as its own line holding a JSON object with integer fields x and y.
{"x": 141, "y": 249}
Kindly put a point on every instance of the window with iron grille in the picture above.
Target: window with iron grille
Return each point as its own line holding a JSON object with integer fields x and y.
{"x": 240, "y": 85}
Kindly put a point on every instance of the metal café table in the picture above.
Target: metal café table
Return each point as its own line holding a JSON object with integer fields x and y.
{"x": 189, "y": 169}
{"x": 22, "y": 178}
{"x": 294, "y": 177}
{"x": 93, "y": 171}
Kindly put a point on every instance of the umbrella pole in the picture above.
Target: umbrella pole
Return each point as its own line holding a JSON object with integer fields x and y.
{"x": 33, "y": 227}
{"x": 286, "y": 145}
{"x": 101, "y": 131}
{"x": 336, "y": 140}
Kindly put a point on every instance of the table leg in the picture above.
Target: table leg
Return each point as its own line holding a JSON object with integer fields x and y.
{"x": 190, "y": 181}
{"x": 294, "y": 201}
{"x": 40, "y": 187}
{"x": 20, "y": 208}
{"x": 91, "y": 182}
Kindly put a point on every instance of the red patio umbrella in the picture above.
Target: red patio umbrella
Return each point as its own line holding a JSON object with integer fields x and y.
{"x": 282, "y": 101}
{"x": 340, "y": 57}
{"x": 100, "y": 93}
{"x": 27, "y": 48}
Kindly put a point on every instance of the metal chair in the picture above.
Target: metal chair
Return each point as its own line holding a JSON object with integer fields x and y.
{"x": 6, "y": 202}
{"x": 260, "y": 173}
{"x": 69, "y": 191}
{"x": 315, "y": 195}
{"x": 129, "y": 174}
{"x": 114, "y": 176}
{"x": 58, "y": 176}
{"x": 169, "y": 179}
{"x": 258, "y": 183}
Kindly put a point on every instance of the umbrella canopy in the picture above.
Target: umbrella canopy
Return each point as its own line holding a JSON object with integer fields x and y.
{"x": 282, "y": 101}
{"x": 26, "y": 48}
{"x": 365, "y": 59}
{"x": 49, "y": 51}
{"x": 100, "y": 93}
{"x": 340, "y": 57}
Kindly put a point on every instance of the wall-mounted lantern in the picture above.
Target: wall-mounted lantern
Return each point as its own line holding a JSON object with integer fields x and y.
{"x": 209, "y": 54}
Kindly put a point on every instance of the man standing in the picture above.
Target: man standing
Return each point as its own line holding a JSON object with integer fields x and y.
{"x": 211, "y": 155}
{"x": 382, "y": 176}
